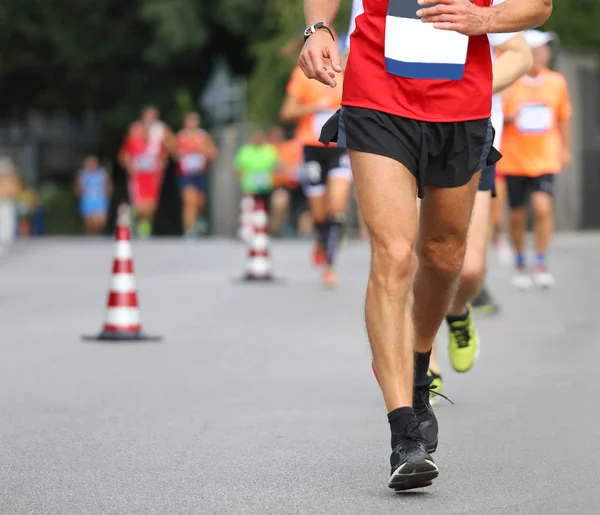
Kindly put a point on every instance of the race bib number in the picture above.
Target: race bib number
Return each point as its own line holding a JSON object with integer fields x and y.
{"x": 417, "y": 50}
{"x": 145, "y": 164}
{"x": 320, "y": 118}
{"x": 534, "y": 119}
{"x": 193, "y": 164}
{"x": 261, "y": 180}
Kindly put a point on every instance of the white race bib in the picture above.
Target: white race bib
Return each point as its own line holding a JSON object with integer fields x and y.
{"x": 417, "y": 50}
{"x": 193, "y": 164}
{"x": 145, "y": 163}
{"x": 319, "y": 120}
{"x": 261, "y": 180}
{"x": 534, "y": 119}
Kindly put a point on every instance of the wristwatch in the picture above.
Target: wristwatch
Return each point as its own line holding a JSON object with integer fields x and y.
{"x": 317, "y": 26}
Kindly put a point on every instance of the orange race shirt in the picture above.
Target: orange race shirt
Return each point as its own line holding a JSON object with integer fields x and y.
{"x": 313, "y": 93}
{"x": 290, "y": 160}
{"x": 531, "y": 141}
{"x": 192, "y": 160}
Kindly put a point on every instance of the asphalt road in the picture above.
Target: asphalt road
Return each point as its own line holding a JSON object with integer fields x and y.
{"x": 260, "y": 399}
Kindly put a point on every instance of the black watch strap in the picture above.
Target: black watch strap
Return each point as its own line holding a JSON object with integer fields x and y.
{"x": 317, "y": 26}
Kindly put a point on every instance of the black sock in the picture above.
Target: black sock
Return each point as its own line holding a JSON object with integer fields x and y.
{"x": 458, "y": 318}
{"x": 421, "y": 367}
{"x": 402, "y": 421}
{"x": 322, "y": 233}
{"x": 334, "y": 236}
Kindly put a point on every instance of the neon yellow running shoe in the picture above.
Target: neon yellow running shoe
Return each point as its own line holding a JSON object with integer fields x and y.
{"x": 144, "y": 229}
{"x": 463, "y": 342}
{"x": 436, "y": 387}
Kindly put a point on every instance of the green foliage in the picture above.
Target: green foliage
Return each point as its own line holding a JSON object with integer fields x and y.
{"x": 116, "y": 55}
{"x": 284, "y": 21}
{"x": 576, "y": 23}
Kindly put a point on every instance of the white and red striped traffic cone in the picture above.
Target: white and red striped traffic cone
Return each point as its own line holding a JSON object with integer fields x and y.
{"x": 258, "y": 267}
{"x": 122, "y": 322}
{"x": 246, "y": 226}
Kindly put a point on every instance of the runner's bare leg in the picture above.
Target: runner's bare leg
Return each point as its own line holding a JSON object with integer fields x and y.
{"x": 386, "y": 195}
{"x": 443, "y": 226}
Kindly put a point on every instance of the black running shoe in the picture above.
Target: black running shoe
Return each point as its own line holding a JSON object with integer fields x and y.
{"x": 425, "y": 415}
{"x": 485, "y": 303}
{"x": 412, "y": 466}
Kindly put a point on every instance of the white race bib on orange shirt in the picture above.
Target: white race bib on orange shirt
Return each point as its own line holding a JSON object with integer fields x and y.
{"x": 534, "y": 119}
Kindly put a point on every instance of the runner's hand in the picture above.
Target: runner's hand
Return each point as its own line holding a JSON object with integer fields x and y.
{"x": 320, "y": 58}
{"x": 461, "y": 16}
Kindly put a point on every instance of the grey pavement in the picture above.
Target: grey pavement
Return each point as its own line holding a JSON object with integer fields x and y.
{"x": 260, "y": 399}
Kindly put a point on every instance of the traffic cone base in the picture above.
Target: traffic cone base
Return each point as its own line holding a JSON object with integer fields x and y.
{"x": 120, "y": 336}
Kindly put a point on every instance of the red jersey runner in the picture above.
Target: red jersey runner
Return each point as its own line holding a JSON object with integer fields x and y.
{"x": 382, "y": 67}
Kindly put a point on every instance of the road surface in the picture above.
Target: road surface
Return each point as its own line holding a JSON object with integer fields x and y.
{"x": 260, "y": 399}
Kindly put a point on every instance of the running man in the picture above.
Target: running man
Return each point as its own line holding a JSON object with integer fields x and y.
{"x": 255, "y": 164}
{"x": 144, "y": 157}
{"x": 415, "y": 117}
{"x": 537, "y": 146}
{"x": 196, "y": 151}
{"x": 94, "y": 189}
{"x": 289, "y": 196}
{"x": 463, "y": 344}
{"x": 310, "y": 104}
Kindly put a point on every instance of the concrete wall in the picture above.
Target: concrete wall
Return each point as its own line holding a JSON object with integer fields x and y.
{"x": 571, "y": 183}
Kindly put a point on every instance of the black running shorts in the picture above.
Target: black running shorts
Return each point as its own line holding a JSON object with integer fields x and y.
{"x": 320, "y": 163}
{"x": 438, "y": 154}
{"x": 521, "y": 186}
{"x": 487, "y": 180}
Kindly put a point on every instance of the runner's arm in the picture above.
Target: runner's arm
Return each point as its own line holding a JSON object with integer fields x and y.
{"x": 515, "y": 61}
{"x": 565, "y": 113}
{"x": 171, "y": 141}
{"x": 320, "y": 10}
{"x": 109, "y": 184}
{"x": 293, "y": 109}
{"x": 210, "y": 148}
{"x": 518, "y": 15}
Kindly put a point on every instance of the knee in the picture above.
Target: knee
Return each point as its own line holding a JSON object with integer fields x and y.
{"x": 542, "y": 206}
{"x": 444, "y": 257}
{"x": 279, "y": 200}
{"x": 393, "y": 262}
{"x": 518, "y": 215}
{"x": 473, "y": 271}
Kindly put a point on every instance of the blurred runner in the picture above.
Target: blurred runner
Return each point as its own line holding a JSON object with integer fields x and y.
{"x": 28, "y": 204}
{"x": 329, "y": 179}
{"x": 463, "y": 339}
{"x": 10, "y": 186}
{"x": 255, "y": 163}
{"x": 144, "y": 157}
{"x": 94, "y": 189}
{"x": 289, "y": 197}
{"x": 196, "y": 151}
{"x": 536, "y": 146}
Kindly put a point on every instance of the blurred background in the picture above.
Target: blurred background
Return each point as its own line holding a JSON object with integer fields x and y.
{"x": 75, "y": 74}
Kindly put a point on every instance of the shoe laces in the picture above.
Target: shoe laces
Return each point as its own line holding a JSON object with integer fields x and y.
{"x": 424, "y": 392}
{"x": 462, "y": 335}
{"x": 412, "y": 433}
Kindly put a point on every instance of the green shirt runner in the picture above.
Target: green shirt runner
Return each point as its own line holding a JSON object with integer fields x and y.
{"x": 257, "y": 165}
